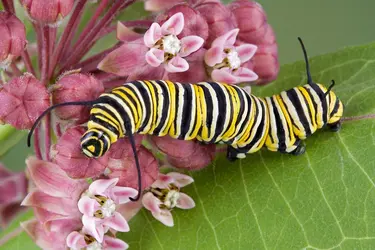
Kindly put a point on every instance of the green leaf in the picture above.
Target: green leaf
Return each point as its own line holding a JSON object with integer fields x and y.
{"x": 323, "y": 199}
{"x": 17, "y": 238}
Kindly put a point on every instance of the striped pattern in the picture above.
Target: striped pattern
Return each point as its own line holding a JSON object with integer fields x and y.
{"x": 211, "y": 113}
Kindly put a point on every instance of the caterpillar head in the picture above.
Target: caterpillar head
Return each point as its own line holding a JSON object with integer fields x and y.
{"x": 95, "y": 143}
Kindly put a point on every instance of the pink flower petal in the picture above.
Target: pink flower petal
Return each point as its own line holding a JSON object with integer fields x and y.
{"x": 121, "y": 194}
{"x": 245, "y": 75}
{"x": 150, "y": 202}
{"x": 117, "y": 222}
{"x": 152, "y": 35}
{"x": 111, "y": 243}
{"x": 181, "y": 180}
{"x": 246, "y": 51}
{"x": 165, "y": 217}
{"x": 50, "y": 178}
{"x": 52, "y": 204}
{"x": 185, "y": 202}
{"x": 130, "y": 209}
{"x": 190, "y": 44}
{"x": 88, "y": 206}
{"x": 154, "y": 57}
{"x": 163, "y": 181}
{"x": 93, "y": 227}
{"x": 102, "y": 186}
{"x": 223, "y": 75}
{"x": 174, "y": 25}
{"x": 126, "y": 59}
{"x": 177, "y": 64}
{"x": 214, "y": 56}
{"x": 125, "y": 34}
{"x": 76, "y": 240}
{"x": 226, "y": 40}
{"x": 159, "y": 5}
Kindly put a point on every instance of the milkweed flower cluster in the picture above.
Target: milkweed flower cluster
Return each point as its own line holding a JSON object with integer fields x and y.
{"x": 80, "y": 202}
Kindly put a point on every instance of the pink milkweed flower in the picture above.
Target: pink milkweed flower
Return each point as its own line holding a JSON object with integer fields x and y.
{"x": 165, "y": 195}
{"x": 23, "y": 99}
{"x": 13, "y": 38}
{"x": 44, "y": 238}
{"x": 13, "y": 188}
{"x": 67, "y": 153}
{"x": 254, "y": 28}
{"x": 54, "y": 200}
{"x": 185, "y": 154}
{"x": 227, "y": 60}
{"x": 75, "y": 87}
{"x": 159, "y": 5}
{"x": 121, "y": 164}
{"x": 47, "y": 12}
{"x": 166, "y": 48}
{"x": 76, "y": 240}
{"x": 98, "y": 206}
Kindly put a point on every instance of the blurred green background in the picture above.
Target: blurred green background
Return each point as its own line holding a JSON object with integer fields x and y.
{"x": 325, "y": 26}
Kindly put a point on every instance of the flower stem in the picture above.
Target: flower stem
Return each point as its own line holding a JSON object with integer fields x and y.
{"x": 66, "y": 36}
{"x": 47, "y": 136}
{"x": 17, "y": 231}
{"x": 92, "y": 21}
{"x": 26, "y": 59}
{"x": 90, "y": 63}
{"x": 38, "y": 152}
{"x": 15, "y": 69}
{"x": 83, "y": 46}
{"x": 8, "y": 6}
{"x": 39, "y": 39}
{"x": 45, "y": 54}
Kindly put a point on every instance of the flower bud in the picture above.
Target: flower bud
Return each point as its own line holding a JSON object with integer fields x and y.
{"x": 13, "y": 189}
{"x": 76, "y": 87}
{"x": 159, "y": 5}
{"x": 252, "y": 22}
{"x": 22, "y": 100}
{"x": 47, "y": 12}
{"x": 69, "y": 157}
{"x": 122, "y": 164}
{"x": 185, "y": 154}
{"x": 13, "y": 38}
{"x": 219, "y": 19}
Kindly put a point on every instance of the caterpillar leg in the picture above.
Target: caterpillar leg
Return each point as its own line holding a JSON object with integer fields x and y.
{"x": 334, "y": 127}
{"x": 233, "y": 154}
{"x": 299, "y": 150}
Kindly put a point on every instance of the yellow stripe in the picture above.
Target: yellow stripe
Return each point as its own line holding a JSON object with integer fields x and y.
{"x": 172, "y": 108}
{"x": 265, "y": 129}
{"x": 139, "y": 110}
{"x": 154, "y": 108}
{"x": 290, "y": 132}
{"x": 250, "y": 123}
{"x": 199, "y": 110}
{"x": 235, "y": 100}
{"x": 129, "y": 103}
{"x": 311, "y": 107}
{"x": 108, "y": 118}
{"x": 112, "y": 136}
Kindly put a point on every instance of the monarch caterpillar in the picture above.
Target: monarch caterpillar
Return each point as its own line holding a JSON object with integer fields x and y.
{"x": 210, "y": 112}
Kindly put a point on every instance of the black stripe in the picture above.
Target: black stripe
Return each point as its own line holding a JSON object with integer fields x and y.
{"x": 293, "y": 97}
{"x": 131, "y": 99}
{"x": 256, "y": 107}
{"x": 309, "y": 110}
{"x": 117, "y": 106}
{"x": 177, "y": 88}
{"x": 110, "y": 113}
{"x": 322, "y": 98}
{"x": 96, "y": 119}
{"x": 336, "y": 107}
{"x": 209, "y": 108}
{"x": 261, "y": 128}
{"x": 166, "y": 107}
{"x": 186, "y": 110}
{"x": 280, "y": 131}
{"x": 221, "y": 109}
{"x": 146, "y": 96}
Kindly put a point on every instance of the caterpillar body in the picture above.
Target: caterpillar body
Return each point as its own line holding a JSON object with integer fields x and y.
{"x": 211, "y": 112}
